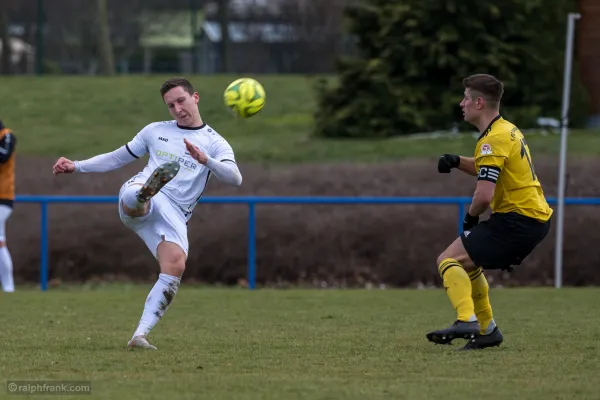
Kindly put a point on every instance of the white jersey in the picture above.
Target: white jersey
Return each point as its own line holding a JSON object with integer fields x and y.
{"x": 163, "y": 141}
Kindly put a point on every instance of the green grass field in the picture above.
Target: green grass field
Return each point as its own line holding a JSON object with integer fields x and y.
{"x": 77, "y": 116}
{"x": 301, "y": 344}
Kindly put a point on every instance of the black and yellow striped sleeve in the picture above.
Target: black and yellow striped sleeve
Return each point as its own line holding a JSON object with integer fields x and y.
{"x": 7, "y": 146}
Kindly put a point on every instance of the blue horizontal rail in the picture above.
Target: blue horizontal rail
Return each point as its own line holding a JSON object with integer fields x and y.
{"x": 251, "y": 202}
{"x": 589, "y": 201}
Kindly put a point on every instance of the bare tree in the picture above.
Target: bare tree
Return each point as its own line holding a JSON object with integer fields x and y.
{"x": 224, "y": 22}
{"x": 5, "y": 37}
{"x": 104, "y": 42}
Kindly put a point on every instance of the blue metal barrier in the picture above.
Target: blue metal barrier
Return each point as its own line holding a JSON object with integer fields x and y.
{"x": 251, "y": 202}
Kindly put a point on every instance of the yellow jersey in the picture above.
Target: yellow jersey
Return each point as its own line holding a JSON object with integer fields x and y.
{"x": 503, "y": 157}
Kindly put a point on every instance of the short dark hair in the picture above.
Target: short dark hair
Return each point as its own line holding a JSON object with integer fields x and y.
{"x": 175, "y": 82}
{"x": 487, "y": 86}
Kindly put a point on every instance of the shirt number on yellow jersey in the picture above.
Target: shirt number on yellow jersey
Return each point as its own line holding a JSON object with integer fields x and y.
{"x": 525, "y": 153}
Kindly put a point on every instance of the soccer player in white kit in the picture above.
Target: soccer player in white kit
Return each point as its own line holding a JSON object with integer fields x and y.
{"x": 158, "y": 202}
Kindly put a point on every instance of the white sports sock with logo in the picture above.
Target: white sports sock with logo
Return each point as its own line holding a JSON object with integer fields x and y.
{"x": 157, "y": 303}
{"x": 6, "y": 270}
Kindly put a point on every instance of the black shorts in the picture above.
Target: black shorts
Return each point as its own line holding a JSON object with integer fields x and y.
{"x": 503, "y": 240}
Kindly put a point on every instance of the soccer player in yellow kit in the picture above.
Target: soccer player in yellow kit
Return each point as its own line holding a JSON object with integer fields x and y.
{"x": 520, "y": 220}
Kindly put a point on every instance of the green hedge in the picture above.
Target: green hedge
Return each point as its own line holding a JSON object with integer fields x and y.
{"x": 413, "y": 55}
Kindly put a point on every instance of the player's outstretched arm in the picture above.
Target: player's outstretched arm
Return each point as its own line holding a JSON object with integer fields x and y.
{"x": 101, "y": 163}
{"x": 447, "y": 162}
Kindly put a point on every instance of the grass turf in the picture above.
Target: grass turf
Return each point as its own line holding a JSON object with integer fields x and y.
{"x": 301, "y": 344}
{"x": 79, "y": 116}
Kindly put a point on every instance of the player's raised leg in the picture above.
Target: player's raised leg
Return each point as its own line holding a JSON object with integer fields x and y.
{"x": 452, "y": 266}
{"x": 135, "y": 201}
{"x": 172, "y": 259}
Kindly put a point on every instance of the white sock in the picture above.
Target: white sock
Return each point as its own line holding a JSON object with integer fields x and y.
{"x": 157, "y": 303}
{"x": 6, "y": 270}
{"x": 490, "y": 327}
{"x": 130, "y": 197}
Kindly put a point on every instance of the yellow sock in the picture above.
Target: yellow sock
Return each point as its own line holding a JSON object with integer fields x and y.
{"x": 458, "y": 288}
{"x": 481, "y": 301}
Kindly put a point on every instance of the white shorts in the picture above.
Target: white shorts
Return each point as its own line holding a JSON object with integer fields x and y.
{"x": 164, "y": 221}
{"x": 5, "y": 212}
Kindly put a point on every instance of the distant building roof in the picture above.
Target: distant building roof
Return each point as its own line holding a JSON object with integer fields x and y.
{"x": 168, "y": 28}
{"x": 240, "y": 32}
{"x": 174, "y": 29}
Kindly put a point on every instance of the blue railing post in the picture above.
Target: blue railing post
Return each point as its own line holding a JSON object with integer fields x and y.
{"x": 251, "y": 245}
{"x": 461, "y": 215}
{"x": 44, "y": 246}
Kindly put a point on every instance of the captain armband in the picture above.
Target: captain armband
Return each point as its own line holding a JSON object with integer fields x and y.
{"x": 488, "y": 173}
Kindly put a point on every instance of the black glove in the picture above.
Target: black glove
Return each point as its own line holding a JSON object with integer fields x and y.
{"x": 447, "y": 162}
{"x": 469, "y": 221}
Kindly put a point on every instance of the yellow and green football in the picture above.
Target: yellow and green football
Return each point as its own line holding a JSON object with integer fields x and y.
{"x": 245, "y": 97}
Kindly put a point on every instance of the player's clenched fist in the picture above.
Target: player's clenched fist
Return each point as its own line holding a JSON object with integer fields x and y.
{"x": 447, "y": 162}
{"x": 63, "y": 166}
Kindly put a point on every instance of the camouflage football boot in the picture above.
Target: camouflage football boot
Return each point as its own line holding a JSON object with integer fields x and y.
{"x": 159, "y": 178}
